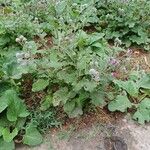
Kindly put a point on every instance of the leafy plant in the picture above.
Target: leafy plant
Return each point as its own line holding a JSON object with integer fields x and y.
{"x": 63, "y": 46}
{"x": 121, "y": 103}
{"x": 142, "y": 114}
{"x": 121, "y": 20}
{"x": 43, "y": 120}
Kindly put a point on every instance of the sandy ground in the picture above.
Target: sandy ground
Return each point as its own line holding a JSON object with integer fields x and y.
{"x": 131, "y": 135}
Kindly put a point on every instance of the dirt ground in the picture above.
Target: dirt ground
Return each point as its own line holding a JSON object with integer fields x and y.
{"x": 125, "y": 134}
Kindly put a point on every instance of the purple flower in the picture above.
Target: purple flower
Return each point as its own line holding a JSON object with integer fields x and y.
{"x": 114, "y": 74}
{"x": 129, "y": 52}
{"x": 113, "y": 62}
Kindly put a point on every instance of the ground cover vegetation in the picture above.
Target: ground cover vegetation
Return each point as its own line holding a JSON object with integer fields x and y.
{"x": 66, "y": 55}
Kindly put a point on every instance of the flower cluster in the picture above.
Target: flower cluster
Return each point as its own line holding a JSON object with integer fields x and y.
{"x": 94, "y": 74}
{"x": 22, "y": 58}
{"x": 113, "y": 62}
{"x": 21, "y": 39}
{"x": 36, "y": 20}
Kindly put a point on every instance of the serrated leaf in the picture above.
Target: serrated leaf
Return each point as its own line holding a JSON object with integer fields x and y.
{"x": 97, "y": 98}
{"x": 82, "y": 62}
{"x": 6, "y": 145}
{"x": 40, "y": 84}
{"x": 90, "y": 85}
{"x": 142, "y": 114}
{"x": 129, "y": 86}
{"x": 60, "y": 96}
{"x": 121, "y": 103}
{"x": 86, "y": 84}
{"x": 67, "y": 77}
{"x": 9, "y": 136}
{"x": 32, "y": 136}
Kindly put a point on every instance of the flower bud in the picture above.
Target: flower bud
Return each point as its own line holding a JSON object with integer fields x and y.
{"x": 19, "y": 55}
{"x": 17, "y": 40}
{"x": 27, "y": 55}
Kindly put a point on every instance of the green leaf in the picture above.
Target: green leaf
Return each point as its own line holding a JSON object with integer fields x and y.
{"x": 40, "y": 84}
{"x": 121, "y": 103}
{"x": 142, "y": 114}
{"x": 60, "y": 7}
{"x": 90, "y": 85}
{"x": 98, "y": 99}
{"x": 6, "y": 145}
{"x": 69, "y": 106}
{"x": 4, "y": 40}
{"x": 76, "y": 112}
{"x": 4, "y": 122}
{"x": 1, "y": 130}
{"x": 82, "y": 62}
{"x": 130, "y": 86}
{"x": 20, "y": 123}
{"x": 86, "y": 84}
{"x": 32, "y": 136}
{"x": 145, "y": 82}
{"x": 3, "y": 103}
{"x": 95, "y": 37}
{"x": 16, "y": 107}
{"x": 146, "y": 92}
{"x": 9, "y": 136}
{"x": 60, "y": 96}
{"x": 67, "y": 77}
{"x": 46, "y": 103}
{"x": 74, "y": 107}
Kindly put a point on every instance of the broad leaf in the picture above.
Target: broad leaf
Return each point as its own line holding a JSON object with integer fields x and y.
{"x": 9, "y": 136}
{"x": 16, "y": 109}
{"x": 32, "y": 136}
{"x": 98, "y": 99}
{"x": 6, "y": 145}
{"x": 142, "y": 114}
{"x": 145, "y": 82}
{"x": 121, "y": 103}
{"x": 46, "y": 103}
{"x": 76, "y": 112}
{"x": 60, "y": 96}
{"x": 90, "y": 85}
{"x": 3, "y": 103}
{"x": 39, "y": 85}
{"x": 69, "y": 106}
{"x": 130, "y": 86}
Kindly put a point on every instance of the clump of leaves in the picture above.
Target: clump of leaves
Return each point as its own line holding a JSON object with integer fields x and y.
{"x": 76, "y": 70}
{"x": 12, "y": 121}
{"x": 44, "y": 120}
{"x": 121, "y": 19}
{"x": 138, "y": 90}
